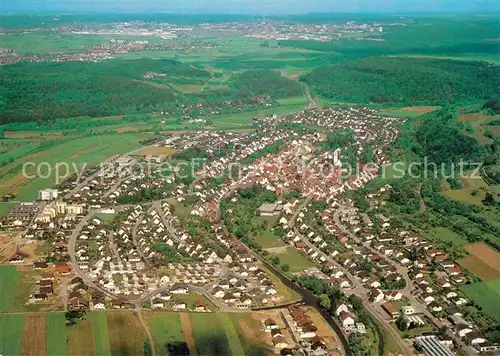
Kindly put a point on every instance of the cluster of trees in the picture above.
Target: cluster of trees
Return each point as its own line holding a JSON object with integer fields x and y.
{"x": 408, "y": 81}
{"x": 266, "y": 82}
{"x": 340, "y": 137}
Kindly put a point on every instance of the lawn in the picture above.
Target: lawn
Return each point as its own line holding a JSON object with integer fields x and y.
{"x": 446, "y": 235}
{"x": 209, "y": 334}
{"x": 268, "y": 240}
{"x": 484, "y": 296}
{"x": 56, "y": 334}
{"x": 165, "y": 327}
{"x": 101, "y": 335}
{"x": 126, "y": 334}
{"x": 11, "y": 327}
{"x": 294, "y": 259}
{"x": 72, "y": 154}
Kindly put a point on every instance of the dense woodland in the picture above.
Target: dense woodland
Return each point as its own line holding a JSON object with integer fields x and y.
{"x": 266, "y": 82}
{"x": 407, "y": 81}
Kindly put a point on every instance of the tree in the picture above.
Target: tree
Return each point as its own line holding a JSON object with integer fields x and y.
{"x": 401, "y": 323}
{"x": 147, "y": 348}
{"x": 285, "y": 268}
{"x": 275, "y": 260}
{"x": 325, "y": 301}
{"x": 488, "y": 199}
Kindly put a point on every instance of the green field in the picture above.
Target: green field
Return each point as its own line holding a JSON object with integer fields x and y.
{"x": 446, "y": 235}
{"x": 231, "y": 334}
{"x": 56, "y": 334}
{"x": 11, "y": 333}
{"x": 101, "y": 335}
{"x": 485, "y": 295}
{"x": 13, "y": 291}
{"x": 252, "y": 344}
{"x": 210, "y": 335}
{"x": 165, "y": 327}
{"x": 268, "y": 240}
{"x": 294, "y": 259}
{"x": 5, "y": 208}
{"x": 74, "y": 153}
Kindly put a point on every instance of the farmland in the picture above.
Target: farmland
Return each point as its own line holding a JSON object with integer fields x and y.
{"x": 81, "y": 339}
{"x": 34, "y": 334}
{"x": 482, "y": 261}
{"x": 101, "y": 336}
{"x": 126, "y": 335}
{"x": 210, "y": 335}
{"x": 11, "y": 335}
{"x": 13, "y": 289}
{"x": 56, "y": 334}
{"x": 165, "y": 327}
{"x": 75, "y": 153}
{"x": 486, "y": 297}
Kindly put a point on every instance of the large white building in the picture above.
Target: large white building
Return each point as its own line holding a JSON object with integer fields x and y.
{"x": 48, "y": 194}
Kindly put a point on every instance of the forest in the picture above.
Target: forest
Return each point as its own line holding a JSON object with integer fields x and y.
{"x": 406, "y": 81}
{"x": 266, "y": 82}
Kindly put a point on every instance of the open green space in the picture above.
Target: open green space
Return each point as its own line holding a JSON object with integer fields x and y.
{"x": 485, "y": 296}
{"x": 56, "y": 334}
{"x": 13, "y": 291}
{"x": 247, "y": 329}
{"x": 165, "y": 327}
{"x": 231, "y": 334}
{"x": 294, "y": 259}
{"x": 210, "y": 335}
{"x": 494, "y": 285}
{"x": 446, "y": 235}
{"x": 11, "y": 333}
{"x": 267, "y": 239}
{"x": 101, "y": 336}
{"x": 62, "y": 159}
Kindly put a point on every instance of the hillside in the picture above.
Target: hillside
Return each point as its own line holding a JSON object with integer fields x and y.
{"x": 408, "y": 81}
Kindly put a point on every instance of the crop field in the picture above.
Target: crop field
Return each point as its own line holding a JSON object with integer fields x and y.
{"x": 126, "y": 334}
{"x": 484, "y": 296}
{"x": 209, "y": 334}
{"x": 446, "y": 235}
{"x": 165, "y": 327}
{"x": 13, "y": 290}
{"x": 409, "y": 111}
{"x": 72, "y": 153}
{"x": 294, "y": 259}
{"x": 101, "y": 335}
{"x": 156, "y": 151}
{"x": 56, "y": 334}
{"x": 11, "y": 326}
{"x": 34, "y": 335}
{"x": 248, "y": 330}
{"x": 81, "y": 339}
{"x": 485, "y": 253}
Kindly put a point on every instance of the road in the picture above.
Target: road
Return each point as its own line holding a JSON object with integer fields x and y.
{"x": 138, "y": 310}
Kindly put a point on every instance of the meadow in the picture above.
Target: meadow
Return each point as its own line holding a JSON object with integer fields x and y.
{"x": 11, "y": 335}
{"x": 13, "y": 289}
{"x": 294, "y": 259}
{"x": 210, "y": 335}
{"x": 485, "y": 296}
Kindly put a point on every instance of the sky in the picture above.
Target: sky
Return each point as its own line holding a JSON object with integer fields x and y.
{"x": 275, "y": 7}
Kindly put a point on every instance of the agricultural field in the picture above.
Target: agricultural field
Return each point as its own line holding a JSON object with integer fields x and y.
{"x": 473, "y": 192}
{"x": 482, "y": 260}
{"x": 209, "y": 335}
{"x": 34, "y": 334}
{"x": 43, "y": 167}
{"x": 479, "y": 125}
{"x": 485, "y": 296}
{"x": 101, "y": 335}
{"x": 56, "y": 334}
{"x": 409, "y": 111}
{"x": 81, "y": 339}
{"x": 126, "y": 334}
{"x": 294, "y": 259}
{"x": 165, "y": 328}
{"x": 11, "y": 335}
{"x": 446, "y": 235}
{"x": 14, "y": 289}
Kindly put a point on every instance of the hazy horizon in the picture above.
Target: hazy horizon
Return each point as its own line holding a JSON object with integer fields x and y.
{"x": 248, "y": 7}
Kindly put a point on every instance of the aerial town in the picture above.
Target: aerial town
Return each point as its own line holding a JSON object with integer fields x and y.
{"x": 142, "y": 231}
